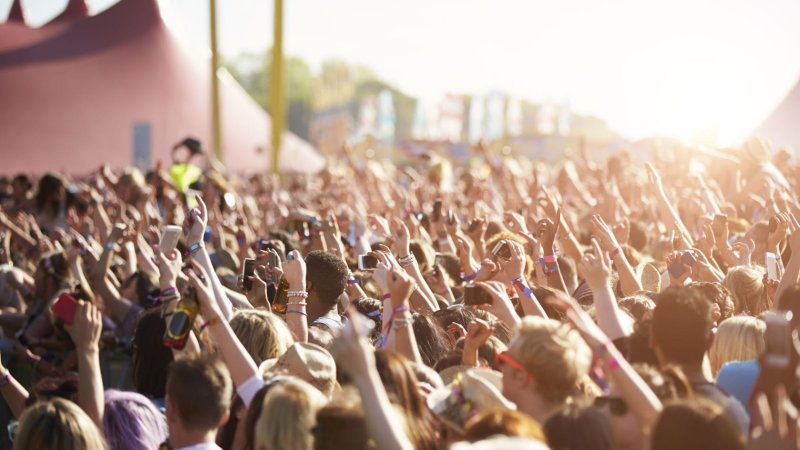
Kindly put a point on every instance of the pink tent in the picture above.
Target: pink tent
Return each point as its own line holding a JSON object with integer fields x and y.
{"x": 782, "y": 127}
{"x": 85, "y": 90}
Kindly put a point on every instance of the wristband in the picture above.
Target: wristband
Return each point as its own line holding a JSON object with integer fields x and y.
{"x": 611, "y": 365}
{"x": 549, "y": 259}
{"x": 377, "y": 313}
{"x": 407, "y": 260}
{"x": 522, "y": 285}
{"x": 195, "y": 247}
{"x": 353, "y": 281}
{"x": 386, "y": 296}
{"x": 469, "y": 277}
{"x": 401, "y": 308}
{"x": 209, "y": 323}
{"x": 402, "y": 322}
{"x": 614, "y": 253}
{"x": 300, "y": 294}
{"x": 295, "y": 311}
{"x": 5, "y": 380}
{"x": 167, "y": 292}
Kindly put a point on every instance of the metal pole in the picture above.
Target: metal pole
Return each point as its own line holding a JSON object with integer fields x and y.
{"x": 216, "y": 132}
{"x": 276, "y": 92}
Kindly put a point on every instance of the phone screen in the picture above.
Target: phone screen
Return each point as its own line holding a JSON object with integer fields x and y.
{"x": 437, "y": 211}
{"x": 475, "y": 295}
{"x": 772, "y": 266}
{"x": 502, "y": 250}
{"x": 247, "y": 272}
{"x": 367, "y": 262}
{"x": 777, "y": 340}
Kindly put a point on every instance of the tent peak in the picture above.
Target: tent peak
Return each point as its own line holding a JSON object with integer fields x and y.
{"x": 76, "y": 9}
{"x": 16, "y": 14}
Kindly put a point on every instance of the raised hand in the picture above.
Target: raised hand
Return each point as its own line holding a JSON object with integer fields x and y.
{"x": 196, "y": 222}
{"x": 515, "y": 222}
{"x": 295, "y": 271}
{"x": 514, "y": 267}
{"x": 169, "y": 268}
{"x": 547, "y": 231}
{"x": 595, "y": 268}
{"x": 604, "y": 235}
{"x": 86, "y": 328}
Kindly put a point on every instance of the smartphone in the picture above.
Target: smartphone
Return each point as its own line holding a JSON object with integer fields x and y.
{"x": 248, "y": 271}
{"x": 720, "y": 220}
{"x": 777, "y": 340}
{"x": 475, "y": 295}
{"x": 64, "y": 308}
{"x": 169, "y": 239}
{"x": 437, "y": 211}
{"x": 367, "y": 262}
{"x": 676, "y": 268}
{"x": 772, "y": 266}
{"x": 274, "y": 261}
{"x": 263, "y": 244}
{"x": 502, "y": 250}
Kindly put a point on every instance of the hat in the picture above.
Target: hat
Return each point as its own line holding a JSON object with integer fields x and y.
{"x": 650, "y": 277}
{"x": 309, "y": 362}
{"x": 471, "y": 392}
{"x": 192, "y": 144}
{"x": 501, "y": 443}
{"x": 449, "y": 374}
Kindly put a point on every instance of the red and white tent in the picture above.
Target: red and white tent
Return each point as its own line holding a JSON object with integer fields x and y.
{"x": 72, "y": 91}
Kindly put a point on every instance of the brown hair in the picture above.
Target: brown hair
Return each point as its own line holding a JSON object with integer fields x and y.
{"x": 695, "y": 425}
{"x": 341, "y": 424}
{"x": 263, "y": 334}
{"x": 199, "y": 387}
{"x": 401, "y": 385}
{"x": 501, "y": 421}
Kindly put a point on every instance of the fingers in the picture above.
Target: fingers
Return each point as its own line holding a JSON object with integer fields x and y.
{"x": 598, "y": 252}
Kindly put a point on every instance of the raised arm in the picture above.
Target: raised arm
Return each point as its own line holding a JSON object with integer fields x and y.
{"x": 629, "y": 282}
{"x": 354, "y": 356}
{"x": 85, "y": 332}
{"x": 596, "y": 272}
{"x": 197, "y": 220}
{"x": 296, "y": 315}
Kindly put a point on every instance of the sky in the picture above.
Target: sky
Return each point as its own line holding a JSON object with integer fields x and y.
{"x": 674, "y": 67}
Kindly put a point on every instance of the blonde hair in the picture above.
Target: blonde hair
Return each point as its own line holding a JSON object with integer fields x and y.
{"x": 554, "y": 354}
{"x": 740, "y": 338}
{"x": 288, "y": 413}
{"x": 57, "y": 424}
{"x": 747, "y": 290}
{"x": 263, "y": 334}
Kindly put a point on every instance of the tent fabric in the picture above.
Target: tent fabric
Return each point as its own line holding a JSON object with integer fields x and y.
{"x": 73, "y": 91}
{"x": 782, "y": 127}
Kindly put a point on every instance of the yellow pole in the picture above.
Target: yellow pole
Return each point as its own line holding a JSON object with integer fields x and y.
{"x": 216, "y": 133}
{"x": 276, "y": 93}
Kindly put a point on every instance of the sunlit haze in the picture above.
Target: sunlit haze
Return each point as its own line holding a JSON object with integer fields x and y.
{"x": 674, "y": 67}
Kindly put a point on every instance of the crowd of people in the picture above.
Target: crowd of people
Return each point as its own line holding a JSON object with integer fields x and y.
{"x": 501, "y": 303}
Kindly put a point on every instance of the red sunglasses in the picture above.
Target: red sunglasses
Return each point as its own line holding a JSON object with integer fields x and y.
{"x": 501, "y": 358}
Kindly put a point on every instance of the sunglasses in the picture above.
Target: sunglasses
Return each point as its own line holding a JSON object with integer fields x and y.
{"x": 502, "y": 358}
{"x": 616, "y": 405}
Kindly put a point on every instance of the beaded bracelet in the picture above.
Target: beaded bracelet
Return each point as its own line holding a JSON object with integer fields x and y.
{"x": 402, "y": 322}
{"x": 300, "y": 294}
{"x": 296, "y": 304}
{"x": 407, "y": 260}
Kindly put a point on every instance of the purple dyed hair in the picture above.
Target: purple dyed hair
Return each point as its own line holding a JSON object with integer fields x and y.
{"x": 131, "y": 422}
